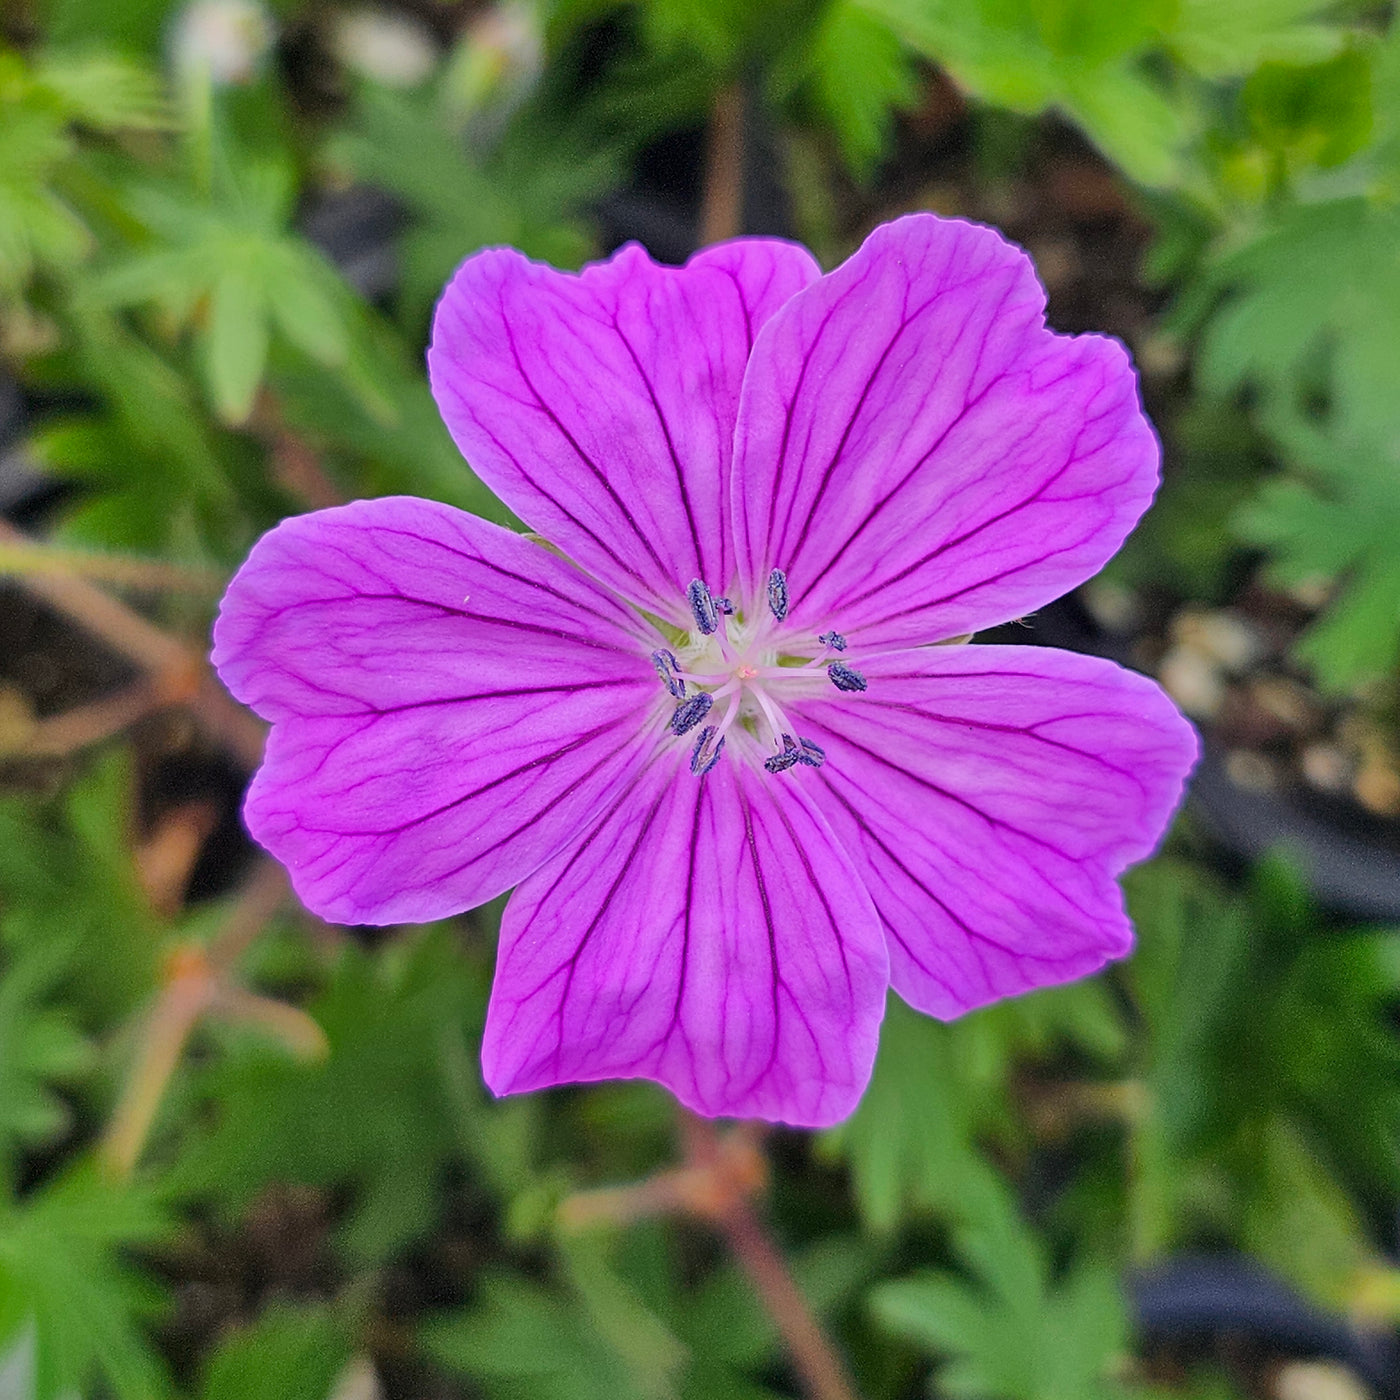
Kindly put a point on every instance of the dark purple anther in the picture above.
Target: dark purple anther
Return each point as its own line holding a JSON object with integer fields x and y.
{"x": 813, "y": 755}
{"x": 778, "y": 594}
{"x": 690, "y": 712}
{"x": 706, "y": 752}
{"x": 702, "y": 605}
{"x": 845, "y": 677}
{"x": 781, "y": 762}
{"x": 834, "y": 640}
{"x": 666, "y": 667}
{"x": 725, "y": 606}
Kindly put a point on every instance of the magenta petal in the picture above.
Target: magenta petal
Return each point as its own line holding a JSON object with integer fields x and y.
{"x": 920, "y": 455}
{"x": 451, "y": 705}
{"x": 989, "y": 796}
{"x": 708, "y": 933}
{"x": 600, "y": 406}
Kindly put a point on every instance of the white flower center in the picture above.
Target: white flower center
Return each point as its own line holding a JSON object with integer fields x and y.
{"x": 735, "y": 670}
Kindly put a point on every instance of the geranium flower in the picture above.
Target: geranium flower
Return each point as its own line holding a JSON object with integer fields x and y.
{"x": 703, "y": 730}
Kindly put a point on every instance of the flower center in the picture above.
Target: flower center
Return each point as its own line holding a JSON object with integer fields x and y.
{"x": 733, "y": 670}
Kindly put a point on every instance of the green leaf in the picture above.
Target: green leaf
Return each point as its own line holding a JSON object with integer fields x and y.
{"x": 723, "y": 1324}
{"x": 959, "y": 1074}
{"x": 374, "y": 1120}
{"x": 903, "y": 1162}
{"x": 1309, "y": 310}
{"x": 306, "y": 307}
{"x": 1320, "y": 1241}
{"x": 40, "y": 227}
{"x": 528, "y": 193}
{"x": 64, "y": 1283}
{"x": 1220, "y": 41}
{"x": 1131, "y": 119}
{"x": 1266, "y": 1029}
{"x": 1318, "y": 115}
{"x": 235, "y": 342}
{"x": 650, "y": 1352}
{"x": 1337, "y": 519}
{"x": 1013, "y": 1333}
{"x": 224, "y": 262}
{"x": 375, "y": 422}
{"x": 39, "y": 1047}
{"x": 1081, "y": 57}
{"x": 526, "y": 1340}
{"x": 68, "y": 890}
{"x": 101, "y": 90}
{"x": 860, "y": 73}
{"x": 288, "y": 1353}
{"x": 1102, "y": 64}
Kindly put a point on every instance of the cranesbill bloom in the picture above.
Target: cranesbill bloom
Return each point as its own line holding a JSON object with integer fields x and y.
{"x": 705, "y": 730}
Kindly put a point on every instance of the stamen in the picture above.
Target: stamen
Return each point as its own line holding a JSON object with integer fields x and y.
{"x": 667, "y": 667}
{"x": 690, "y": 712}
{"x": 834, "y": 640}
{"x": 725, "y": 606}
{"x": 845, "y": 677}
{"x": 706, "y": 752}
{"x": 778, "y": 594}
{"x": 702, "y": 605}
{"x": 781, "y": 762}
{"x": 813, "y": 755}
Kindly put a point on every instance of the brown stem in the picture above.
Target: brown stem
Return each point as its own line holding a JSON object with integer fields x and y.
{"x": 193, "y": 984}
{"x": 722, "y": 215}
{"x": 177, "y": 1010}
{"x": 296, "y": 466}
{"x": 125, "y": 631}
{"x": 179, "y": 671}
{"x": 261, "y": 898}
{"x": 66, "y": 733}
{"x": 29, "y": 557}
{"x": 823, "y": 1373}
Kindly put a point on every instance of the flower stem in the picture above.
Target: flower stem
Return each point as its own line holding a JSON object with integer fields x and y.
{"x": 23, "y": 557}
{"x": 193, "y": 985}
{"x": 177, "y": 670}
{"x": 815, "y": 1358}
{"x": 722, "y": 214}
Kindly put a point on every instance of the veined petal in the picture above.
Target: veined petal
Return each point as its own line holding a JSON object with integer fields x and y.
{"x": 707, "y": 933}
{"x": 600, "y": 406}
{"x": 920, "y": 455}
{"x": 451, "y": 705}
{"x": 989, "y": 796}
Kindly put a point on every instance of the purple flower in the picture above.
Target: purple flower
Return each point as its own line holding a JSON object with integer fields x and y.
{"x": 706, "y": 734}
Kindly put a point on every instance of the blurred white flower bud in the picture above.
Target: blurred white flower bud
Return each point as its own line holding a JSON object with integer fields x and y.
{"x": 497, "y": 62}
{"x": 228, "y": 39}
{"x": 388, "y": 48}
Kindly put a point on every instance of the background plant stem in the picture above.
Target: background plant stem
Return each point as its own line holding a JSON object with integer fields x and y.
{"x": 745, "y": 1232}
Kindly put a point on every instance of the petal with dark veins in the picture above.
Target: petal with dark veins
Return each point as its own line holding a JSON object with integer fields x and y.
{"x": 920, "y": 455}
{"x": 451, "y": 705}
{"x": 707, "y": 933}
{"x": 989, "y": 796}
{"x": 600, "y": 406}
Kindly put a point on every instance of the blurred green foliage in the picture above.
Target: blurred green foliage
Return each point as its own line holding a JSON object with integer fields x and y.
{"x": 202, "y": 368}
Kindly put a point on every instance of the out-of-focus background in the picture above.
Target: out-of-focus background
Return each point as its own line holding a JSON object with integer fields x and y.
{"x": 247, "y": 1156}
